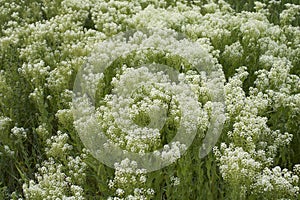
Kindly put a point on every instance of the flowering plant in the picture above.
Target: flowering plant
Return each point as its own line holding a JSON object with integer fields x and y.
{"x": 149, "y": 99}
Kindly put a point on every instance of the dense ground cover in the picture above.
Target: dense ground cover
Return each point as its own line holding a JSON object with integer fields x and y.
{"x": 230, "y": 79}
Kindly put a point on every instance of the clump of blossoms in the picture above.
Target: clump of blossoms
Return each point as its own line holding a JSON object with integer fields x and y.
{"x": 253, "y": 145}
{"x": 57, "y": 145}
{"x": 138, "y": 117}
{"x": 19, "y": 132}
{"x": 139, "y": 106}
{"x": 147, "y": 94}
{"x": 54, "y": 183}
{"x": 44, "y": 45}
{"x": 60, "y": 176}
{"x": 275, "y": 183}
{"x": 129, "y": 182}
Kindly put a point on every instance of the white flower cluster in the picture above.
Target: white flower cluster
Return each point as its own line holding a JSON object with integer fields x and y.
{"x": 19, "y": 132}
{"x": 54, "y": 183}
{"x": 129, "y": 182}
{"x": 140, "y": 107}
{"x": 110, "y": 17}
{"x": 58, "y": 146}
{"x": 4, "y": 121}
{"x": 61, "y": 175}
{"x": 132, "y": 112}
{"x": 42, "y": 131}
{"x": 140, "y": 104}
{"x": 297, "y": 169}
{"x": 276, "y": 182}
{"x": 237, "y": 164}
{"x": 289, "y": 15}
{"x": 171, "y": 152}
{"x": 44, "y": 45}
{"x": 253, "y": 144}
{"x": 175, "y": 180}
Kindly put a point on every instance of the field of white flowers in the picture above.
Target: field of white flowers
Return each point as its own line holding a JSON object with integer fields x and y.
{"x": 158, "y": 99}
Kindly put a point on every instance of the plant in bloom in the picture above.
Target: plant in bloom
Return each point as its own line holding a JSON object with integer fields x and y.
{"x": 149, "y": 99}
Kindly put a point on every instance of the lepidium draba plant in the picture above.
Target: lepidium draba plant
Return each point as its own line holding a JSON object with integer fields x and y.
{"x": 129, "y": 182}
{"x": 245, "y": 162}
{"x": 60, "y": 176}
{"x": 150, "y": 102}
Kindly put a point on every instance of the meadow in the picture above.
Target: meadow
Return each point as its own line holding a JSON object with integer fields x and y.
{"x": 159, "y": 99}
